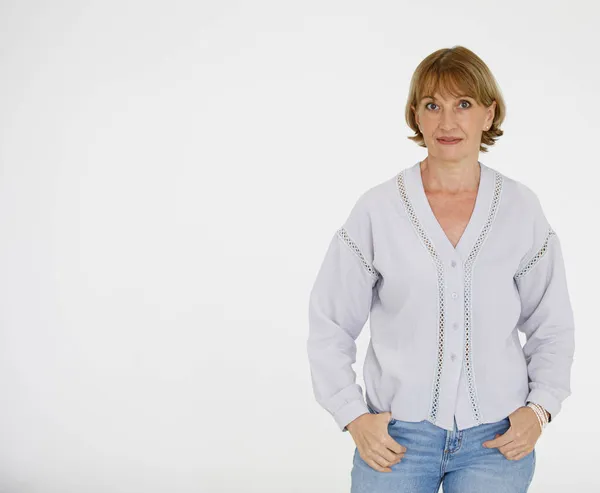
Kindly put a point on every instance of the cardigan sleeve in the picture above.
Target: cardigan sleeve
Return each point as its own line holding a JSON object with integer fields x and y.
{"x": 339, "y": 306}
{"x": 546, "y": 316}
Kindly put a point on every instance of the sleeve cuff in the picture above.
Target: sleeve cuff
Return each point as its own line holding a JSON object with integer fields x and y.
{"x": 349, "y": 412}
{"x": 546, "y": 400}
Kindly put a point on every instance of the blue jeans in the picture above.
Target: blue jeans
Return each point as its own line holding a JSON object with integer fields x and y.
{"x": 454, "y": 459}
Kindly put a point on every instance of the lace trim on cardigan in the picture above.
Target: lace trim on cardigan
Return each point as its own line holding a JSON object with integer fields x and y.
{"x": 435, "y": 399}
{"x": 345, "y": 237}
{"x": 536, "y": 258}
{"x": 468, "y": 297}
{"x": 434, "y": 407}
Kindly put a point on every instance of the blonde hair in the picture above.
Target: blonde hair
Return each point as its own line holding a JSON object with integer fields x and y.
{"x": 455, "y": 71}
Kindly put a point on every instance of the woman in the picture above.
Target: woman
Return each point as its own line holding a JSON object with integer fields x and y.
{"x": 450, "y": 259}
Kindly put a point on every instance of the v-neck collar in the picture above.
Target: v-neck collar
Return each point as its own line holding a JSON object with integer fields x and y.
{"x": 483, "y": 202}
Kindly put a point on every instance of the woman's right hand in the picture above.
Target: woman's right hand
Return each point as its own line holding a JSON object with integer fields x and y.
{"x": 375, "y": 445}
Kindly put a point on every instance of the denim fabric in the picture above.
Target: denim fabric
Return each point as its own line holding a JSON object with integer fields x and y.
{"x": 454, "y": 459}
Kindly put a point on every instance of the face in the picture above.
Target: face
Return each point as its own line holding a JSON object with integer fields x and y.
{"x": 461, "y": 117}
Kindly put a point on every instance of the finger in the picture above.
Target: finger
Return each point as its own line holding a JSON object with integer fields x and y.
{"x": 397, "y": 459}
{"x": 376, "y": 466}
{"x": 509, "y": 451}
{"x": 515, "y": 451}
{"x": 389, "y": 455}
{"x": 378, "y": 463}
{"x": 519, "y": 456}
{"x": 394, "y": 446}
{"x": 379, "y": 456}
{"x": 501, "y": 440}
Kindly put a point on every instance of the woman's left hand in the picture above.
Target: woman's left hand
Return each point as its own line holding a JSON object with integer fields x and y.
{"x": 519, "y": 440}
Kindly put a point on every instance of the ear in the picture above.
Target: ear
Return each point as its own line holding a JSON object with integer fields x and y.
{"x": 492, "y": 111}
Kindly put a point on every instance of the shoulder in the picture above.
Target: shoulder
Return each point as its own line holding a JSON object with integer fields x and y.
{"x": 522, "y": 198}
{"x": 372, "y": 200}
{"x": 363, "y": 223}
{"x": 528, "y": 198}
{"x": 533, "y": 225}
{"x": 516, "y": 189}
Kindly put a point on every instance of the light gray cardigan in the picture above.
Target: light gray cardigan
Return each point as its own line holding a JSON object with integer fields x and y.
{"x": 443, "y": 320}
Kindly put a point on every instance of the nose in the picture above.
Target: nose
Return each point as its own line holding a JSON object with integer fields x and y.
{"x": 448, "y": 120}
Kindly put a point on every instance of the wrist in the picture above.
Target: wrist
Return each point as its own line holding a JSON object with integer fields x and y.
{"x": 542, "y": 415}
{"x": 352, "y": 423}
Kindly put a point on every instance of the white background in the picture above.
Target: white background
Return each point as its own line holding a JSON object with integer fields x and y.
{"x": 171, "y": 174}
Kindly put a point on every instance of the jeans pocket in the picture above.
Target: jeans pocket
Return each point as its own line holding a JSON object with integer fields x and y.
{"x": 372, "y": 411}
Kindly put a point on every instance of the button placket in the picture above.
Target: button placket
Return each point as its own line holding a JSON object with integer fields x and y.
{"x": 455, "y": 276}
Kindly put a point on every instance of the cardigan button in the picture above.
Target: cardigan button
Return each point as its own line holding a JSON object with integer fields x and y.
{"x": 454, "y": 295}
{"x": 453, "y": 263}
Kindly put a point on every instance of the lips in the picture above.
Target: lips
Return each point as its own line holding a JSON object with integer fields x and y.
{"x": 449, "y": 139}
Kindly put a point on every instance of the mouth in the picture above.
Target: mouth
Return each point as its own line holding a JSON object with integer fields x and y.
{"x": 446, "y": 141}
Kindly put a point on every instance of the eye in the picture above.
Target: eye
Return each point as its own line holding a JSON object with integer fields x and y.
{"x": 461, "y": 101}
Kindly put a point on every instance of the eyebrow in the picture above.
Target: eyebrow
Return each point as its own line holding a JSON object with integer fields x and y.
{"x": 459, "y": 96}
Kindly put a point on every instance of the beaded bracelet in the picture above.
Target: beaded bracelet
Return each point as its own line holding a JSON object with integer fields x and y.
{"x": 540, "y": 412}
{"x": 546, "y": 414}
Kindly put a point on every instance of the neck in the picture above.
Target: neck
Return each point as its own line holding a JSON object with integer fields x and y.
{"x": 453, "y": 177}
